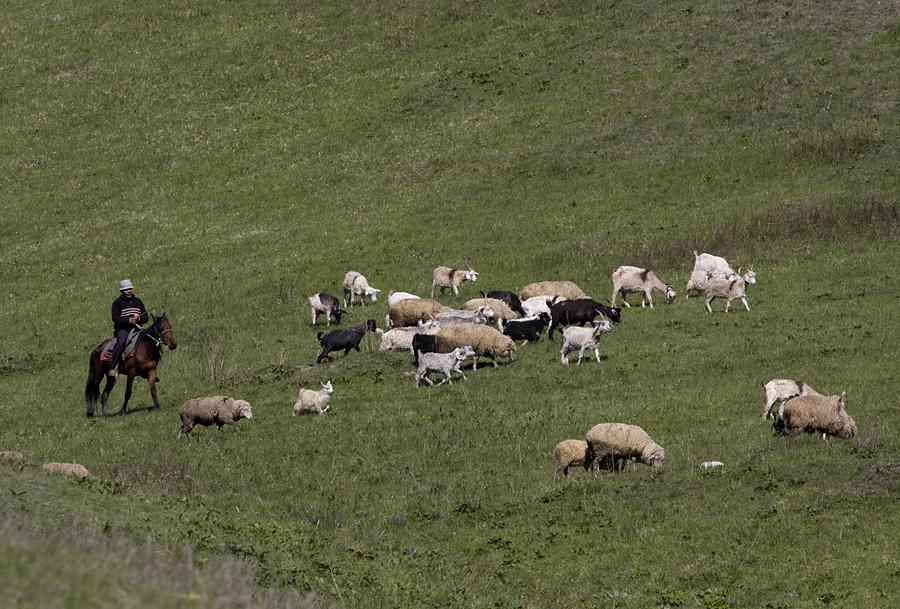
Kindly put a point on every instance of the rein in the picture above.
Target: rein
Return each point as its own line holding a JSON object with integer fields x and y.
{"x": 154, "y": 334}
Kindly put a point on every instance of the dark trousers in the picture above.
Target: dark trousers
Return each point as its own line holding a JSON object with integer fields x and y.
{"x": 121, "y": 338}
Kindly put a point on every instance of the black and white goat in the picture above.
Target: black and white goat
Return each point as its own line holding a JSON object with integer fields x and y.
{"x": 510, "y": 298}
{"x": 528, "y": 329}
{"x": 580, "y": 312}
{"x": 344, "y": 339}
{"x": 324, "y": 303}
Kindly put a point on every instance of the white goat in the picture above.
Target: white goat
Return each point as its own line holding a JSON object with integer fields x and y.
{"x": 576, "y": 337}
{"x": 446, "y": 277}
{"x": 445, "y": 363}
{"x": 781, "y": 390}
{"x": 631, "y": 279}
{"x": 539, "y": 304}
{"x": 707, "y": 265}
{"x": 729, "y": 288}
{"x": 395, "y": 297}
{"x": 356, "y": 284}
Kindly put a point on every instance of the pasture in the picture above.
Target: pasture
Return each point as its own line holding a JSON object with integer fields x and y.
{"x": 234, "y": 158}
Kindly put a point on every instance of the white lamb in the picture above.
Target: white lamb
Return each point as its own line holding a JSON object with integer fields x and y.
{"x": 576, "y": 337}
{"x": 445, "y": 363}
{"x": 316, "y": 402}
{"x": 780, "y": 391}
{"x": 356, "y": 284}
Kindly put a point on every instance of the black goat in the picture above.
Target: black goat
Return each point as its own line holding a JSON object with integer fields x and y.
{"x": 526, "y": 329}
{"x": 579, "y": 311}
{"x": 345, "y": 339}
{"x": 510, "y": 298}
{"x": 423, "y": 343}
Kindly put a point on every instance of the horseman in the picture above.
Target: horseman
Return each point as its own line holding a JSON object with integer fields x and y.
{"x": 128, "y": 312}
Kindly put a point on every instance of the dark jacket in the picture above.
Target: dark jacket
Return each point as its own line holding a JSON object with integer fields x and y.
{"x": 123, "y": 308}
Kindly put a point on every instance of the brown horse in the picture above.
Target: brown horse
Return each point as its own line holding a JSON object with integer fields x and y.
{"x": 142, "y": 363}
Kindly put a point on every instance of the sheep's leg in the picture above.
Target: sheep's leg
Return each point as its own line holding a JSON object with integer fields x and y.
{"x": 768, "y": 409}
{"x": 650, "y": 298}
{"x": 314, "y": 316}
{"x": 727, "y": 304}
{"x": 461, "y": 373}
{"x": 706, "y": 304}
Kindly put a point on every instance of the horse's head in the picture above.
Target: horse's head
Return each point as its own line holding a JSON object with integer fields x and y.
{"x": 163, "y": 329}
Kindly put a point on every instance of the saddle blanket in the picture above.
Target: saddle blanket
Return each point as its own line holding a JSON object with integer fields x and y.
{"x": 110, "y": 344}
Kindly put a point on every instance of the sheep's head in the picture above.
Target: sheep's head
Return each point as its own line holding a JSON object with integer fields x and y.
{"x": 487, "y": 312}
{"x": 845, "y": 425}
{"x": 327, "y": 389}
{"x": 670, "y": 294}
{"x": 242, "y": 410}
{"x": 509, "y": 349}
{"x": 656, "y": 458}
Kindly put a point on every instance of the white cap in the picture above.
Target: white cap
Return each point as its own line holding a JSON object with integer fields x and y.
{"x": 125, "y": 284}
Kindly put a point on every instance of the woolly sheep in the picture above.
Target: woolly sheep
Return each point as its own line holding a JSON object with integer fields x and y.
{"x": 613, "y": 444}
{"x": 781, "y": 390}
{"x": 817, "y": 414}
{"x": 576, "y": 337}
{"x": 510, "y": 298}
{"x": 218, "y": 409}
{"x": 400, "y": 339}
{"x": 484, "y": 340}
{"x": 445, "y": 363}
{"x": 324, "y": 303}
{"x": 12, "y": 456}
{"x": 729, "y": 288}
{"x": 501, "y": 309}
{"x": 632, "y": 279}
{"x": 69, "y": 469}
{"x": 446, "y": 277}
{"x": 411, "y": 312}
{"x": 562, "y": 289}
{"x": 569, "y": 453}
{"x": 395, "y": 297}
{"x": 317, "y": 402}
{"x": 356, "y": 284}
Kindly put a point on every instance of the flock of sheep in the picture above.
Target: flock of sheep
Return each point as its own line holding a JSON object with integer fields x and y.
{"x": 442, "y": 339}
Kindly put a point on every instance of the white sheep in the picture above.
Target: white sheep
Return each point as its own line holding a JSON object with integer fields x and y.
{"x": 576, "y": 337}
{"x": 446, "y": 277}
{"x": 631, "y": 279}
{"x": 563, "y": 289}
{"x": 817, "y": 414}
{"x": 445, "y": 363}
{"x": 569, "y": 453}
{"x": 614, "y": 444}
{"x": 500, "y": 308}
{"x": 781, "y": 390}
{"x": 411, "y": 312}
{"x": 729, "y": 288}
{"x": 400, "y": 339}
{"x": 485, "y": 340}
{"x": 69, "y": 469}
{"x": 395, "y": 297}
{"x": 314, "y": 402}
{"x": 218, "y": 409}
{"x": 356, "y": 284}
{"x": 536, "y": 305}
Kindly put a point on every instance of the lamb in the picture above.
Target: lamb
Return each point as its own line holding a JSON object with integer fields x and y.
{"x": 445, "y": 363}
{"x": 412, "y": 311}
{"x": 446, "y": 277}
{"x": 356, "y": 284}
{"x": 12, "y": 456}
{"x": 562, "y": 289}
{"x": 510, "y": 298}
{"x": 611, "y": 445}
{"x": 580, "y": 311}
{"x": 314, "y": 402}
{"x": 630, "y": 279}
{"x": 569, "y": 453}
{"x": 456, "y": 316}
{"x": 395, "y": 297}
{"x": 539, "y": 304}
{"x": 781, "y": 390}
{"x": 69, "y": 469}
{"x": 323, "y": 302}
{"x": 499, "y": 307}
{"x": 816, "y": 414}
{"x": 728, "y": 288}
{"x": 218, "y": 409}
{"x": 401, "y": 339}
{"x": 486, "y": 341}
{"x": 576, "y": 337}
{"x": 528, "y": 329}
{"x": 345, "y": 339}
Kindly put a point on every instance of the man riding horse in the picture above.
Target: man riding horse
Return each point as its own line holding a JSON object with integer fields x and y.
{"x": 128, "y": 313}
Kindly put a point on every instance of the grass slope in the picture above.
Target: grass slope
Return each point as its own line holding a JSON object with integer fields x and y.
{"x": 232, "y": 158}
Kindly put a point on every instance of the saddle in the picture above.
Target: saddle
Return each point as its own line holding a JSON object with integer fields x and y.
{"x": 110, "y": 343}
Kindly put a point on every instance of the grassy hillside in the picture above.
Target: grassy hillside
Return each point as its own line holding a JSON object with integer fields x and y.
{"x": 233, "y": 158}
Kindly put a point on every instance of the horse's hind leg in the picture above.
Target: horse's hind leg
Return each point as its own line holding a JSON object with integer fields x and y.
{"x": 128, "y": 384}
{"x": 151, "y": 378}
{"x": 104, "y": 397}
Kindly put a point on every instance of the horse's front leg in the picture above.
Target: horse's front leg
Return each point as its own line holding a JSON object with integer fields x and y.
{"x": 124, "y": 408}
{"x": 151, "y": 378}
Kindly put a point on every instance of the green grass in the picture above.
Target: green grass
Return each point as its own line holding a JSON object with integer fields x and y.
{"x": 233, "y": 158}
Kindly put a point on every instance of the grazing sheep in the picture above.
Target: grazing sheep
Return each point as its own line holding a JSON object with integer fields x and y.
{"x": 69, "y": 469}
{"x": 445, "y": 363}
{"x": 323, "y": 302}
{"x": 423, "y": 343}
{"x": 486, "y": 341}
{"x": 580, "y": 311}
{"x": 576, "y": 337}
{"x": 446, "y": 277}
{"x": 12, "y": 456}
{"x": 613, "y": 444}
{"x": 345, "y": 339}
{"x": 562, "y": 289}
{"x": 401, "y": 339}
{"x": 356, "y": 284}
{"x": 395, "y": 297}
{"x": 456, "y": 316}
{"x": 510, "y": 298}
{"x": 781, "y": 390}
{"x": 500, "y": 308}
{"x": 631, "y": 279}
{"x": 816, "y": 414}
{"x": 569, "y": 453}
{"x": 314, "y": 402}
{"x": 539, "y": 304}
{"x": 218, "y": 409}
{"x": 728, "y": 288}
{"x": 528, "y": 329}
{"x": 410, "y": 312}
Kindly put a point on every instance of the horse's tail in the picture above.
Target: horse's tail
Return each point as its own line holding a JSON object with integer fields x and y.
{"x": 92, "y": 386}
